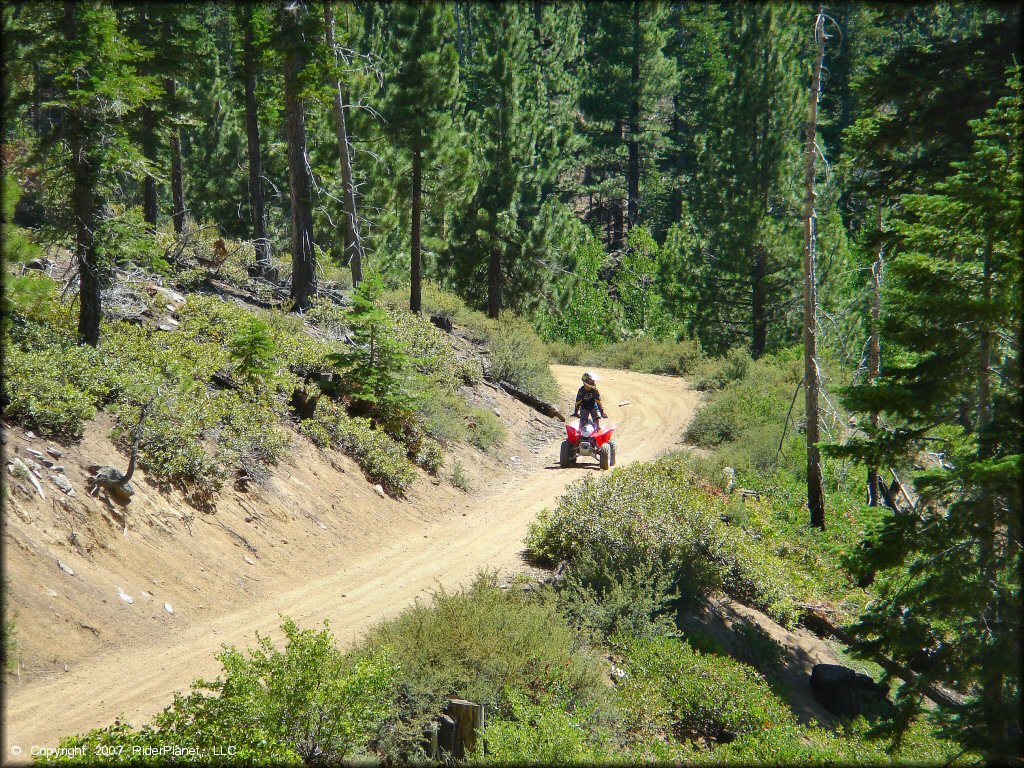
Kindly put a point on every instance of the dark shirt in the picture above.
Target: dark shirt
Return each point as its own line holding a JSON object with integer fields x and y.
{"x": 589, "y": 399}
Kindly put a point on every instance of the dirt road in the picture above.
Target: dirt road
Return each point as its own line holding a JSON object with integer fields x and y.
{"x": 139, "y": 680}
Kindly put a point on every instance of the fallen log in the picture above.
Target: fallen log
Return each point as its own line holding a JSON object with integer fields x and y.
{"x": 818, "y": 623}
{"x": 541, "y": 406}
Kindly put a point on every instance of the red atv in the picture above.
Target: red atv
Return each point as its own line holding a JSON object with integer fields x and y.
{"x": 587, "y": 440}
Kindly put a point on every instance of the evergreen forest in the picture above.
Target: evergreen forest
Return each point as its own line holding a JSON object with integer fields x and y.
{"x": 361, "y": 213}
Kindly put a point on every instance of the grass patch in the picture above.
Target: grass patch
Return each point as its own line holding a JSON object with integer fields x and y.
{"x": 642, "y": 354}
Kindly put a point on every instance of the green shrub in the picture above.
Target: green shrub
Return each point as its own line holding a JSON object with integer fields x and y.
{"x": 672, "y": 688}
{"x": 545, "y": 732}
{"x": 459, "y": 478}
{"x": 485, "y": 429}
{"x": 308, "y": 703}
{"x": 642, "y": 354}
{"x": 429, "y": 455}
{"x": 479, "y": 643}
{"x": 252, "y": 349}
{"x": 47, "y": 389}
{"x": 715, "y": 374}
{"x": 659, "y": 514}
{"x": 520, "y": 357}
{"x": 382, "y": 457}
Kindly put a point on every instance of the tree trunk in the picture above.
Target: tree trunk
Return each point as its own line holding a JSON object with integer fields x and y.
{"x": 875, "y": 349}
{"x": 303, "y": 254}
{"x": 815, "y": 490}
{"x": 177, "y": 188}
{"x": 149, "y": 199}
{"x": 985, "y": 356}
{"x": 252, "y": 132}
{"x": 494, "y": 284}
{"x": 415, "y": 302}
{"x": 758, "y": 303}
{"x": 633, "y": 173}
{"x": 353, "y": 244}
{"x": 84, "y": 172}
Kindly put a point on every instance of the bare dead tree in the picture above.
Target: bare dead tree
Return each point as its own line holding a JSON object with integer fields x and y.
{"x": 353, "y": 243}
{"x": 815, "y": 487}
{"x": 875, "y": 347}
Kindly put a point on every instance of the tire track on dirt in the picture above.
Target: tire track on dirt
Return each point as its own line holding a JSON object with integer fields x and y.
{"x": 487, "y": 532}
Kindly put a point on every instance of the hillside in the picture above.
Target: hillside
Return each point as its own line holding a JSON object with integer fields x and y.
{"x": 319, "y": 543}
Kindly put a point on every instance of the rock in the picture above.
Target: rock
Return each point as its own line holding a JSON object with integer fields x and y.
{"x": 63, "y": 483}
{"x": 624, "y": 403}
{"x": 42, "y": 265}
{"x": 249, "y": 560}
{"x": 57, "y": 468}
{"x": 846, "y": 692}
{"x": 55, "y": 452}
{"x": 443, "y": 322}
{"x": 48, "y": 463}
{"x": 165, "y": 327}
{"x": 51, "y": 592}
{"x": 34, "y": 453}
{"x": 18, "y": 468}
{"x": 146, "y": 595}
{"x": 380, "y": 490}
{"x": 30, "y": 435}
{"x": 171, "y": 321}
{"x": 124, "y": 596}
{"x": 168, "y": 608}
{"x": 66, "y": 568}
{"x": 169, "y": 295}
{"x": 496, "y": 412}
{"x": 36, "y": 467}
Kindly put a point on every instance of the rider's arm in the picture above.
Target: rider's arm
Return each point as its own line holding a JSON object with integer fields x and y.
{"x": 597, "y": 402}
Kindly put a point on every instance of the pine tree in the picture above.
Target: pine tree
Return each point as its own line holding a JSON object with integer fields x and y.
{"x": 297, "y": 39}
{"x": 95, "y": 75}
{"x": 423, "y": 74}
{"x": 949, "y": 568}
{"x": 626, "y": 103}
{"x": 253, "y": 30}
{"x": 745, "y": 195}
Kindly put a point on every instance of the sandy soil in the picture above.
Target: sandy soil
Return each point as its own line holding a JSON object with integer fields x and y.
{"x": 315, "y": 543}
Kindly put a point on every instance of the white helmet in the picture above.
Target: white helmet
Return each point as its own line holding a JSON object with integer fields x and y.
{"x": 589, "y": 378}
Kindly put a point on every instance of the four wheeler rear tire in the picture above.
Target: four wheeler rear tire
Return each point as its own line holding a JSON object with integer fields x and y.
{"x": 612, "y": 446}
{"x": 605, "y": 453}
{"x": 565, "y": 455}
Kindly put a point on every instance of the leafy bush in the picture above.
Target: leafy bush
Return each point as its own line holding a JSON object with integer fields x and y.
{"x": 715, "y": 374}
{"x": 46, "y": 389}
{"x": 545, "y": 731}
{"x": 446, "y": 416}
{"x": 307, "y": 703}
{"x": 479, "y": 643}
{"x": 252, "y": 349}
{"x": 519, "y": 357}
{"x": 659, "y": 514}
{"x": 642, "y": 354}
{"x": 382, "y": 457}
{"x": 459, "y": 478}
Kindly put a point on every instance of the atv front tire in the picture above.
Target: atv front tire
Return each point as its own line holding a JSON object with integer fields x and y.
{"x": 606, "y": 453}
{"x": 565, "y": 456}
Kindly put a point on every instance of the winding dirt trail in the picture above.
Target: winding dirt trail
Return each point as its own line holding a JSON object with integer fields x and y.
{"x": 488, "y": 532}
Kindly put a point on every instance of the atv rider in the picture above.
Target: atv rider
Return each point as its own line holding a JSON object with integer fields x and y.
{"x": 588, "y": 402}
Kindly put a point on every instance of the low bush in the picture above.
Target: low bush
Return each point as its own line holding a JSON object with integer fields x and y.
{"x": 545, "y": 730}
{"x": 479, "y": 644}
{"x": 459, "y": 478}
{"x": 642, "y": 354}
{"x": 660, "y": 515}
{"x": 519, "y": 357}
{"x": 382, "y": 457}
{"x": 306, "y": 704}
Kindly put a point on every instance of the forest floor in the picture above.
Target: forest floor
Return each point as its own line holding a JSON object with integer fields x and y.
{"x": 314, "y": 543}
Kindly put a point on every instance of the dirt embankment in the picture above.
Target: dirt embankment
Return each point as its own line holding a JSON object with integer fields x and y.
{"x": 314, "y": 543}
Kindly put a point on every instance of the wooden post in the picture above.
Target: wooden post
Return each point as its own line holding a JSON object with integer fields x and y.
{"x": 469, "y": 724}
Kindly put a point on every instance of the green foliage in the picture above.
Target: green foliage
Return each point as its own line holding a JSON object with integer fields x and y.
{"x": 252, "y": 349}
{"x": 680, "y": 704}
{"x": 661, "y": 517}
{"x": 951, "y": 383}
{"x": 587, "y": 314}
{"x": 643, "y": 354}
{"x": 518, "y": 356}
{"x": 545, "y": 730}
{"x": 306, "y": 703}
{"x": 480, "y": 644}
{"x": 382, "y": 457}
{"x": 375, "y": 370}
{"x": 459, "y": 478}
